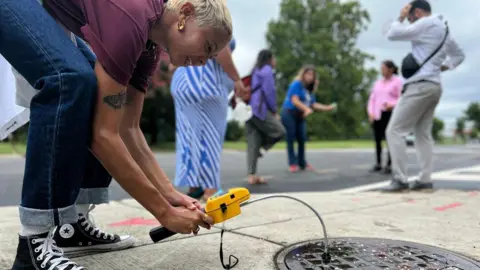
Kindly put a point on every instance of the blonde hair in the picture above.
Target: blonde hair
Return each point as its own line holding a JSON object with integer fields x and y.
{"x": 302, "y": 71}
{"x": 208, "y": 13}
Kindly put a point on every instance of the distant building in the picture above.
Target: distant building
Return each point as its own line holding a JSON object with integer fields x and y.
{"x": 469, "y": 126}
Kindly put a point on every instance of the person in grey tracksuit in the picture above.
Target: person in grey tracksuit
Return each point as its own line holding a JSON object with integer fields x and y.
{"x": 421, "y": 91}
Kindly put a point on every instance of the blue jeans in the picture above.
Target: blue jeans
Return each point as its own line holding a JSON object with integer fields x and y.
{"x": 59, "y": 171}
{"x": 296, "y": 130}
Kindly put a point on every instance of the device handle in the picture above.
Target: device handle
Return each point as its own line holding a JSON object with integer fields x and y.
{"x": 160, "y": 233}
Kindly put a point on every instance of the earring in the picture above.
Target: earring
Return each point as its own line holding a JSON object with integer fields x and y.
{"x": 181, "y": 25}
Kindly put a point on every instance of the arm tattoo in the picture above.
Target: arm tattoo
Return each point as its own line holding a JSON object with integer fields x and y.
{"x": 116, "y": 101}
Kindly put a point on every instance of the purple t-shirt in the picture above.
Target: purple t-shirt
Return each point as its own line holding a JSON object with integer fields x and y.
{"x": 118, "y": 32}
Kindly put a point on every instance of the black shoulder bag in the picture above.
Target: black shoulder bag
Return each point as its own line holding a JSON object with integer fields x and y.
{"x": 410, "y": 66}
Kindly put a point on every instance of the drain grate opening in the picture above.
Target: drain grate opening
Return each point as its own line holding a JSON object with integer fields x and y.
{"x": 371, "y": 253}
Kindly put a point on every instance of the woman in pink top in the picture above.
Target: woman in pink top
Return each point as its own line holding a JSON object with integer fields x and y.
{"x": 384, "y": 96}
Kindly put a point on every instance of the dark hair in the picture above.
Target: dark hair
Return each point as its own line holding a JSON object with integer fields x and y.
{"x": 421, "y": 4}
{"x": 264, "y": 57}
{"x": 390, "y": 65}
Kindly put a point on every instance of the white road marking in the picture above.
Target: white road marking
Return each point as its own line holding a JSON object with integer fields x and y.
{"x": 447, "y": 175}
{"x": 461, "y": 174}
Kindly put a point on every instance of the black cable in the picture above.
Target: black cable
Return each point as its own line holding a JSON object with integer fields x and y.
{"x": 229, "y": 265}
{"x": 326, "y": 257}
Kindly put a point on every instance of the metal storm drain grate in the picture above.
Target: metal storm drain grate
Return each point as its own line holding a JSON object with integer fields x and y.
{"x": 371, "y": 253}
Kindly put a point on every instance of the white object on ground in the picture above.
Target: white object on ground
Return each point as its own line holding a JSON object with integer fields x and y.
{"x": 12, "y": 116}
{"x": 242, "y": 112}
{"x": 16, "y": 94}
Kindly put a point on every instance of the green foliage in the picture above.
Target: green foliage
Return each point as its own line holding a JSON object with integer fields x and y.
{"x": 474, "y": 134}
{"x": 472, "y": 113}
{"x": 20, "y": 135}
{"x": 460, "y": 128}
{"x": 324, "y": 33}
{"x": 460, "y": 124}
{"x": 234, "y": 131}
{"x": 437, "y": 128}
{"x": 158, "y": 117}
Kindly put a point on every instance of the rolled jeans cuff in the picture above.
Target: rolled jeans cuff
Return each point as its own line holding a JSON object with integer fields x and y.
{"x": 47, "y": 218}
{"x": 66, "y": 215}
{"x": 93, "y": 196}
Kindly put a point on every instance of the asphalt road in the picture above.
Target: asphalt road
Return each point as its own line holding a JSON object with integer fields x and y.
{"x": 335, "y": 170}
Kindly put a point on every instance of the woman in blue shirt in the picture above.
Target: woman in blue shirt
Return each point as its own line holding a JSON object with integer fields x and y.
{"x": 299, "y": 103}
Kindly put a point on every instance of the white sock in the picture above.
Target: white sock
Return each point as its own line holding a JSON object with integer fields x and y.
{"x": 83, "y": 209}
{"x": 33, "y": 230}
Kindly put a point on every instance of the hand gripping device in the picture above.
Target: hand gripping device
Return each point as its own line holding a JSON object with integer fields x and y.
{"x": 220, "y": 208}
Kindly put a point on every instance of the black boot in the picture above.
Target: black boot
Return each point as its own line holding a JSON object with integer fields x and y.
{"x": 41, "y": 252}
{"x": 396, "y": 186}
{"x": 417, "y": 185}
{"x": 85, "y": 238}
{"x": 375, "y": 169}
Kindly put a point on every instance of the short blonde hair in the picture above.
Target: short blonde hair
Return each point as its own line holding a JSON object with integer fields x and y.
{"x": 208, "y": 13}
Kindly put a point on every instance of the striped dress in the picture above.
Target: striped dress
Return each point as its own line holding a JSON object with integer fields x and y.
{"x": 200, "y": 96}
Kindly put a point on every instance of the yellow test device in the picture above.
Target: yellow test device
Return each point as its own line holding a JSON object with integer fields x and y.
{"x": 221, "y": 207}
{"x": 226, "y": 205}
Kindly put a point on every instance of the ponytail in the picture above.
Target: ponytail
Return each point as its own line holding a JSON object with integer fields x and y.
{"x": 395, "y": 70}
{"x": 389, "y": 64}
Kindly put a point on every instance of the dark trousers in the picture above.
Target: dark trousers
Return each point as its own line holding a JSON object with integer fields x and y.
{"x": 261, "y": 134}
{"x": 60, "y": 170}
{"x": 296, "y": 130}
{"x": 379, "y": 128}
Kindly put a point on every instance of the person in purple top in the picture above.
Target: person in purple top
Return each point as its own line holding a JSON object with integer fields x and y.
{"x": 264, "y": 128}
{"x": 84, "y": 126}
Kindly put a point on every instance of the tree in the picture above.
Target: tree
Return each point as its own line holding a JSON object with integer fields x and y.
{"x": 234, "y": 131}
{"x": 324, "y": 33}
{"x": 437, "y": 128}
{"x": 474, "y": 134}
{"x": 460, "y": 128}
{"x": 158, "y": 113}
{"x": 473, "y": 113}
{"x": 158, "y": 116}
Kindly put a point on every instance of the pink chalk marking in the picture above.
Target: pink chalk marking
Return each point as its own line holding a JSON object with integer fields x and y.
{"x": 135, "y": 221}
{"x": 355, "y": 199}
{"x": 411, "y": 201}
{"x": 448, "y": 206}
{"x": 473, "y": 193}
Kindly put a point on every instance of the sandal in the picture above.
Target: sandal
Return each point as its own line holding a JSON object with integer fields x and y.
{"x": 257, "y": 180}
{"x": 309, "y": 168}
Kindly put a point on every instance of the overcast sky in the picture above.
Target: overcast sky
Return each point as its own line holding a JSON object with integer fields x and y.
{"x": 250, "y": 18}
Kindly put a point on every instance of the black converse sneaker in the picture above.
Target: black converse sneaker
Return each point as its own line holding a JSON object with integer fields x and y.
{"x": 83, "y": 237}
{"x": 41, "y": 252}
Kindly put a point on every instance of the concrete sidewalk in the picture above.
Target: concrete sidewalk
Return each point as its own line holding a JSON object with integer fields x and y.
{"x": 446, "y": 219}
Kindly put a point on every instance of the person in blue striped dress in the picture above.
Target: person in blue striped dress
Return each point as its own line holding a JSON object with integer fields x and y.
{"x": 200, "y": 95}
